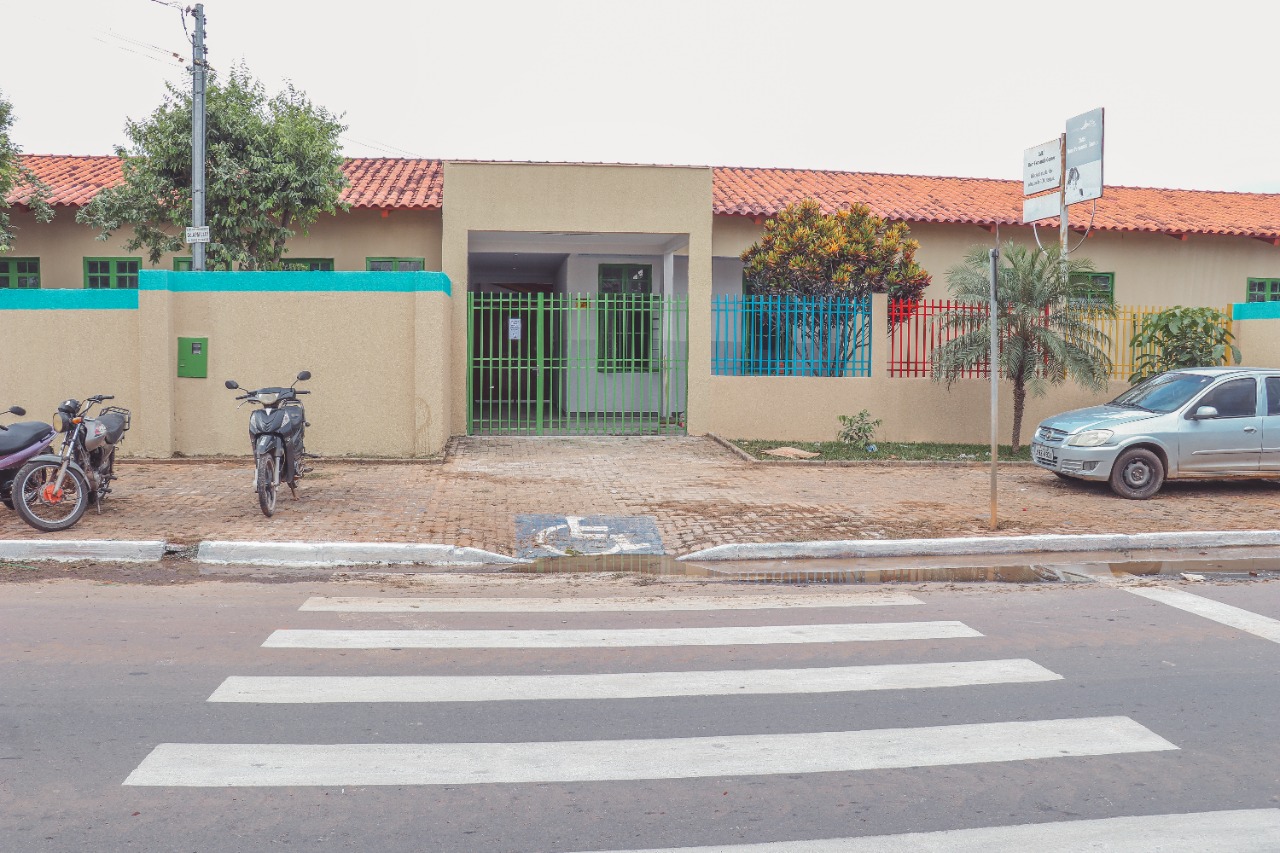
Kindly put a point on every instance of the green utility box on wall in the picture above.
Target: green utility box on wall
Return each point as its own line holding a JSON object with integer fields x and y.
{"x": 193, "y": 357}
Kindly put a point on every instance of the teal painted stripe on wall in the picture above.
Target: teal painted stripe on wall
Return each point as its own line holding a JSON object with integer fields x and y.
{"x": 66, "y": 299}
{"x": 1255, "y": 311}
{"x": 295, "y": 282}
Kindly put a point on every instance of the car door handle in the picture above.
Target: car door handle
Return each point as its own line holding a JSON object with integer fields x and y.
{"x": 1250, "y": 429}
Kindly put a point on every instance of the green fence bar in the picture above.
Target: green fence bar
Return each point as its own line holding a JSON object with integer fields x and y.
{"x": 557, "y": 364}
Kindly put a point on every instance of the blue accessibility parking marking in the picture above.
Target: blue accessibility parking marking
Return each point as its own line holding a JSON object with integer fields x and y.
{"x": 582, "y": 535}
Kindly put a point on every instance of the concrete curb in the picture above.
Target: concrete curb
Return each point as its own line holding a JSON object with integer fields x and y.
{"x": 864, "y": 463}
{"x": 986, "y": 545}
{"x": 75, "y": 550}
{"x": 322, "y": 554}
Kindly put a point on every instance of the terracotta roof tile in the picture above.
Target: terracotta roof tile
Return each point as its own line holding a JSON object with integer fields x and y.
{"x": 377, "y": 182}
{"x": 385, "y": 182}
{"x": 982, "y": 201}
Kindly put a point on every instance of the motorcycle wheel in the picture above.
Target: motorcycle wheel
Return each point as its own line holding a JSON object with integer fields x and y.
{"x": 40, "y": 506}
{"x": 267, "y": 485}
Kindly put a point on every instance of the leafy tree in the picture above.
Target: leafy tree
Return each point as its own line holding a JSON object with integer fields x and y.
{"x": 17, "y": 180}
{"x": 272, "y": 167}
{"x": 814, "y": 263}
{"x": 850, "y": 254}
{"x": 1182, "y": 337}
{"x": 1046, "y": 332}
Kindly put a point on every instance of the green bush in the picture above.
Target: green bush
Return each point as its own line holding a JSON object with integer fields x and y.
{"x": 1182, "y": 337}
{"x": 858, "y": 430}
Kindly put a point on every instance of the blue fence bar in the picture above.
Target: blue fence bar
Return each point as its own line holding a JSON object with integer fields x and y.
{"x": 790, "y": 336}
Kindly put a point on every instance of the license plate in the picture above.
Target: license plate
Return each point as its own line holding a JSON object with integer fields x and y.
{"x": 1043, "y": 455}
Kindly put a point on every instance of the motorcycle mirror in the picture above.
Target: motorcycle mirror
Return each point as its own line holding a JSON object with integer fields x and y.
{"x": 232, "y": 384}
{"x": 304, "y": 375}
{"x": 17, "y": 410}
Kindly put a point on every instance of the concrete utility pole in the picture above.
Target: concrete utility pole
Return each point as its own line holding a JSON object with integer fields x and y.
{"x": 198, "y": 77}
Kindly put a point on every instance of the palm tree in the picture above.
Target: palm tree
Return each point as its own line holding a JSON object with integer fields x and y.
{"x": 1045, "y": 324}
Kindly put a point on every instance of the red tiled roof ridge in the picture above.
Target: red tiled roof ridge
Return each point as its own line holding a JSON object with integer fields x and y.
{"x": 417, "y": 183}
{"x": 1014, "y": 181}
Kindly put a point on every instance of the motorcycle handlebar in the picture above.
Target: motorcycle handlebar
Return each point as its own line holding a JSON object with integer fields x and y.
{"x": 302, "y": 392}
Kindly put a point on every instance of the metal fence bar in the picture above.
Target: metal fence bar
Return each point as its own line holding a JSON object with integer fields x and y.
{"x": 557, "y": 364}
{"x": 790, "y": 336}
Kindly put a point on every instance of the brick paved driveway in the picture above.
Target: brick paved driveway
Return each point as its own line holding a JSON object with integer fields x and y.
{"x": 699, "y": 494}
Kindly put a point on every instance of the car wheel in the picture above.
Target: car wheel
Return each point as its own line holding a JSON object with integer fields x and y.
{"x": 1137, "y": 474}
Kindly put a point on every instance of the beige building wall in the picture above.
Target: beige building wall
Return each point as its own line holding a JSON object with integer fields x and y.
{"x": 553, "y": 198}
{"x": 63, "y": 244}
{"x": 808, "y": 408}
{"x": 1150, "y": 269}
{"x": 349, "y": 238}
{"x": 1259, "y": 342}
{"x": 49, "y": 356}
{"x": 375, "y": 356}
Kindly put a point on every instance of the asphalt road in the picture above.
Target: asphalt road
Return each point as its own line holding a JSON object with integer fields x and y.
{"x": 802, "y": 717}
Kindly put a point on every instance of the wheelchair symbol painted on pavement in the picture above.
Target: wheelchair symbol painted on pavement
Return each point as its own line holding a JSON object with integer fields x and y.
{"x": 576, "y": 535}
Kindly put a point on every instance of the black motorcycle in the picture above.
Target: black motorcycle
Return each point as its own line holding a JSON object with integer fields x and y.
{"x": 276, "y": 432}
{"x": 18, "y": 444}
{"x": 52, "y": 491}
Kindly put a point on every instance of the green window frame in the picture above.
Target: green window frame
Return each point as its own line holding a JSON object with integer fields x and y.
{"x": 394, "y": 264}
{"x": 182, "y": 263}
{"x": 1263, "y": 290}
{"x": 307, "y": 264}
{"x": 20, "y": 273}
{"x": 111, "y": 273}
{"x": 1098, "y": 288}
{"x": 626, "y": 313}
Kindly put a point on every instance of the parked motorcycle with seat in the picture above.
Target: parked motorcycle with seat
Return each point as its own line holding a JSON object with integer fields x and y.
{"x": 19, "y": 442}
{"x": 51, "y": 491}
{"x": 276, "y": 433}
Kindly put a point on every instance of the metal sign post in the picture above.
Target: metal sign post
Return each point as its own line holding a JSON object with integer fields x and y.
{"x": 995, "y": 384}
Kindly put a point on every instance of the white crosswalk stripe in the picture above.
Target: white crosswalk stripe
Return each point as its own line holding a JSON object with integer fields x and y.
{"x": 1240, "y": 831}
{"x": 702, "y": 756}
{"x": 261, "y": 764}
{"x": 368, "y": 604}
{"x": 616, "y": 638}
{"x": 631, "y": 685}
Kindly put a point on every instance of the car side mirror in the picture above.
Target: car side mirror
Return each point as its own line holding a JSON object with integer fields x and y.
{"x": 17, "y": 410}
{"x": 304, "y": 375}
{"x": 1204, "y": 413}
{"x": 231, "y": 384}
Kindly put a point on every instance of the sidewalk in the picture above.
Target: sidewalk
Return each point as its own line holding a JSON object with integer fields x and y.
{"x": 698, "y": 494}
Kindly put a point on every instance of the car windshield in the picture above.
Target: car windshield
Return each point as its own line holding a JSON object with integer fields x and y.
{"x": 1163, "y": 393}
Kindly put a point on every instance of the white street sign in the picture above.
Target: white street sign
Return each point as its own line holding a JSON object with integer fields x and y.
{"x": 1040, "y": 207}
{"x": 1084, "y": 156}
{"x": 1042, "y": 167}
{"x": 198, "y": 235}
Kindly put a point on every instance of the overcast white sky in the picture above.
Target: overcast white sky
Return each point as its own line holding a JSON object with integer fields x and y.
{"x": 926, "y": 87}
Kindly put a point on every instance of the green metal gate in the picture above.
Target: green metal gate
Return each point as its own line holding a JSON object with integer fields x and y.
{"x": 554, "y": 364}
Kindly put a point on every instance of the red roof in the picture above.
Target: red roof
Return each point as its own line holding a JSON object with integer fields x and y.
{"x": 385, "y": 182}
{"x": 984, "y": 201}
{"x": 377, "y": 182}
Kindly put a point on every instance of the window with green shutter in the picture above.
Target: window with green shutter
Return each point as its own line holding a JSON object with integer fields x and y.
{"x": 111, "y": 273}
{"x": 394, "y": 264}
{"x": 626, "y": 313}
{"x": 20, "y": 273}
{"x": 1263, "y": 290}
{"x": 1097, "y": 288}
{"x": 307, "y": 264}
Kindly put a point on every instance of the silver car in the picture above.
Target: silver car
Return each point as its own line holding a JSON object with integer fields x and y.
{"x": 1197, "y": 422}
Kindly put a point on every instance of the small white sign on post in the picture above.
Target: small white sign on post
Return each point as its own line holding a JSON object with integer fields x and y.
{"x": 198, "y": 235}
{"x": 1042, "y": 167}
{"x": 1041, "y": 207}
{"x": 513, "y": 328}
